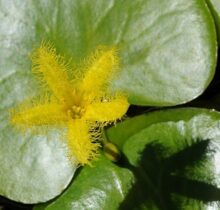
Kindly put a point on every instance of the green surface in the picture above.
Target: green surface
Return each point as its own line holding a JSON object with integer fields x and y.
{"x": 203, "y": 125}
{"x": 96, "y": 188}
{"x": 33, "y": 169}
{"x": 102, "y": 187}
{"x": 122, "y": 131}
{"x": 167, "y": 51}
{"x": 214, "y": 6}
{"x": 174, "y": 137}
{"x": 167, "y": 48}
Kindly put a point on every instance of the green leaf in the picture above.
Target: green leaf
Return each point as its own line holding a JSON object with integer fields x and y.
{"x": 101, "y": 187}
{"x": 174, "y": 137}
{"x": 33, "y": 169}
{"x": 214, "y": 6}
{"x": 163, "y": 49}
{"x": 122, "y": 131}
{"x": 167, "y": 49}
{"x": 160, "y": 175}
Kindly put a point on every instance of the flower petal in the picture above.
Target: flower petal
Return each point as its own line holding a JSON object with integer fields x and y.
{"x": 100, "y": 68}
{"x": 42, "y": 114}
{"x": 80, "y": 144}
{"x": 107, "y": 111}
{"x": 52, "y": 70}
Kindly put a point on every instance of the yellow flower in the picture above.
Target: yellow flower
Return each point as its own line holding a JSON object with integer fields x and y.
{"x": 83, "y": 103}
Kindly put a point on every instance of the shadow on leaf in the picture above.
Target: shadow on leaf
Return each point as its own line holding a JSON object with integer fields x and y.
{"x": 160, "y": 175}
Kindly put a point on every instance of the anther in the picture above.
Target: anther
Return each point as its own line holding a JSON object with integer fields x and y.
{"x": 76, "y": 112}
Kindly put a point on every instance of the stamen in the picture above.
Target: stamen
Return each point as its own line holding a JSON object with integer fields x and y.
{"x": 76, "y": 112}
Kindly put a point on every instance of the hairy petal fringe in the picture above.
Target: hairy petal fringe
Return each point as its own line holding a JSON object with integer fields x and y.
{"x": 107, "y": 111}
{"x": 42, "y": 114}
{"x": 51, "y": 68}
{"x": 80, "y": 142}
{"x": 100, "y": 69}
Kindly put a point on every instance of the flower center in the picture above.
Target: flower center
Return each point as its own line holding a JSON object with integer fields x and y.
{"x": 76, "y": 112}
